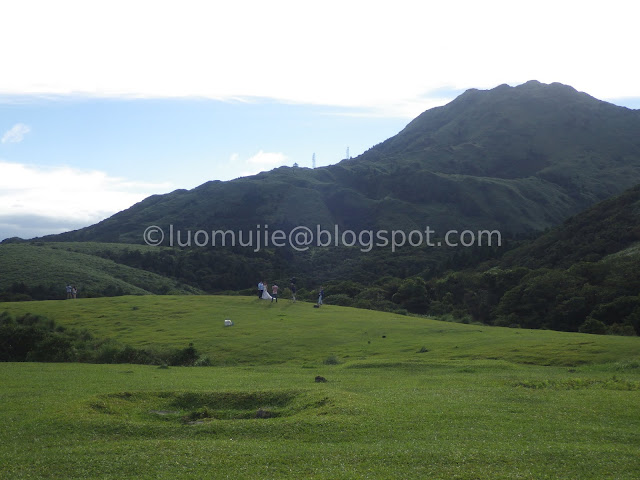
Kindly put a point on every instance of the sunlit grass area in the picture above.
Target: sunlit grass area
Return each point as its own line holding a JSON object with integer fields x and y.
{"x": 404, "y": 397}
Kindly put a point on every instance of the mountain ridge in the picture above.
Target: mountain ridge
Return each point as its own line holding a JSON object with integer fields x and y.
{"x": 520, "y": 159}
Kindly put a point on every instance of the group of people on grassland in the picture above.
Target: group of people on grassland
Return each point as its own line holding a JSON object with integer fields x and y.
{"x": 263, "y": 292}
{"x": 72, "y": 291}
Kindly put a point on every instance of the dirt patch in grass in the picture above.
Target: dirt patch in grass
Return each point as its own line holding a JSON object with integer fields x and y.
{"x": 194, "y": 408}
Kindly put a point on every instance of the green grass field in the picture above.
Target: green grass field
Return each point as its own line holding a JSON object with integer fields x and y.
{"x": 58, "y": 264}
{"x": 405, "y": 397}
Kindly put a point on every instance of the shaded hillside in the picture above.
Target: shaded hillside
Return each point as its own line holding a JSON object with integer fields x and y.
{"x": 583, "y": 275}
{"x": 607, "y": 228}
{"x": 41, "y": 269}
{"x": 518, "y": 159}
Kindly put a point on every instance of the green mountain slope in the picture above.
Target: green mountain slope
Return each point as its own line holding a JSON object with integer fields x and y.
{"x": 583, "y": 275}
{"x": 519, "y": 159}
{"x": 43, "y": 270}
{"x": 607, "y": 228}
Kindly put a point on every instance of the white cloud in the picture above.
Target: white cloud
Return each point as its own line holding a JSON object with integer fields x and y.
{"x": 356, "y": 53}
{"x": 267, "y": 159}
{"x": 51, "y": 200}
{"x": 260, "y": 162}
{"x": 16, "y": 133}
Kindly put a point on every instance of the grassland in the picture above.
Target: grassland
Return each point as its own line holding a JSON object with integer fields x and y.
{"x": 405, "y": 397}
{"x": 62, "y": 263}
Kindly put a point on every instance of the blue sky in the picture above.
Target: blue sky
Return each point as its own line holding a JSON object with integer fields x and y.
{"x": 185, "y": 142}
{"x": 104, "y": 103}
{"x": 81, "y": 159}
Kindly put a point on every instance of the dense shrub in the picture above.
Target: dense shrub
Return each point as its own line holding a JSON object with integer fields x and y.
{"x": 591, "y": 325}
{"x": 186, "y": 356}
{"x": 33, "y": 338}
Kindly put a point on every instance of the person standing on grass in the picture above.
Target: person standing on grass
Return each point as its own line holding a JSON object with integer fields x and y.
{"x": 320, "y": 295}
{"x": 260, "y": 288}
{"x": 68, "y": 291}
{"x": 274, "y": 293}
{"x": 293, "y": 292}
{"x": 74, "y": 292}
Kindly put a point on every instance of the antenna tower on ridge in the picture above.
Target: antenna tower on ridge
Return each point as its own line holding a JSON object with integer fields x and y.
{"x": 347, "y": 157}
{"x": 313, "y": 161}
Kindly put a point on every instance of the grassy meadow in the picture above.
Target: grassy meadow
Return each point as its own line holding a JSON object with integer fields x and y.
{"x": 58, "y": 264}
{"x": 405, "y": 397}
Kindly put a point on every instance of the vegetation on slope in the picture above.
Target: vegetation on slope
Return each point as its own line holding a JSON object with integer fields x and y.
{"x": 216, "y": 270}
{"x": 518, "y": 159}
{"x": 35, "y": 338}
{"x": 42, "y": 271}
{"x": 583, "y": 275}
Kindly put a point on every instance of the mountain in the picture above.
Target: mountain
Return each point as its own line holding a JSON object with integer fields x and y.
{"x": 519, "y": 159}
{"x": 608, "y": 229}
{"x": 582, "y": 275}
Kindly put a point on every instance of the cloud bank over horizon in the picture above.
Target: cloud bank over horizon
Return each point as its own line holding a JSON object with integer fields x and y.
{"x": 36, "y": 201}
{"x": 44, "y": 200}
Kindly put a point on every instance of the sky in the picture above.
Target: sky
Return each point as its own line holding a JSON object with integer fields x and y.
{"x": 104, "y": 103}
